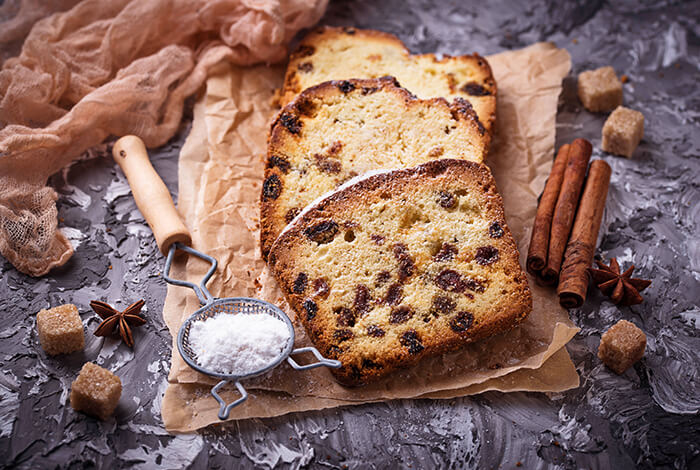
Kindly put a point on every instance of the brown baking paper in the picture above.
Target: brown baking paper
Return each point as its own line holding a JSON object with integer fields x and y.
{"x": 189, "y": 406}
{"x": 221, "y": 167}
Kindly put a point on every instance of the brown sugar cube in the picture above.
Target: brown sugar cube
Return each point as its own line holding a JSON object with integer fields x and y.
{"x": 621, "y": 346}
{"x": 60, "y": 330}
{"x": 600, "y": 90}
{"x": 96, "y": 391}
{"x": 622, "y": 131}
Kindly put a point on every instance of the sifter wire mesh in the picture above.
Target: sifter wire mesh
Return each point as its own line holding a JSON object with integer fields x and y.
{"x": 233, "y": 306}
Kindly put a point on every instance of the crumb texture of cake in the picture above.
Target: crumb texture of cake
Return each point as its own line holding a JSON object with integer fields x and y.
{"x": 600, "y": 90}
{"x": 622, "y": 131}
{"x": 621, "y": 346}
{"x": 60, "y": 330}
{"x": 96, "y": 391}
{"x": 340, "y": 129}
{"x": 329, "y": 53}
{"x": 402, "y": 265}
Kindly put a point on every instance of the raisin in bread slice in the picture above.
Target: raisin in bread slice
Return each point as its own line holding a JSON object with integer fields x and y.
{"x": 337, "y": 130}
{"x": 342, "y": 53}
{"x": 402, "y": 265}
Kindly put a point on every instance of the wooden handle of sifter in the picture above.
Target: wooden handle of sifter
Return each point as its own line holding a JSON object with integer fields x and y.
{"x": 152, "y": 196}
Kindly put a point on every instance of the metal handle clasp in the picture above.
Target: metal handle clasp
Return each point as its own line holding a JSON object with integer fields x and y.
{"x": 322, "y": 361}
{"x": 202, "y": 293}
{"x": 225, "y": 410}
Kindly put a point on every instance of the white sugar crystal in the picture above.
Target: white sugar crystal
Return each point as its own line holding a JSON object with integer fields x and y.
{"x": 238, "y": 344}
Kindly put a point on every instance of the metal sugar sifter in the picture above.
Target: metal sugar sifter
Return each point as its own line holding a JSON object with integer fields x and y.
{"x": 155, "y": 203}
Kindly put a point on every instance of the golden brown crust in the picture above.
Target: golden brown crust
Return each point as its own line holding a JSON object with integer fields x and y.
{"x": 451, "y": 281}
{"x": 339, "y": 129}
{"x": 329, "y": 53}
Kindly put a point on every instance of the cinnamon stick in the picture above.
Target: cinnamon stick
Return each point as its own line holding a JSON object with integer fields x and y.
{"x": 539, "y": 241}
{"x": 573, "y": 281}
{"x": 579, "y": 153}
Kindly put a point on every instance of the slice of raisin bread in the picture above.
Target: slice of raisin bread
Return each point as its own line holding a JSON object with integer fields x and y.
{"x": 402, "y": 265}
{"x": 337, "y": 130}
{"x": 342, "y": 53}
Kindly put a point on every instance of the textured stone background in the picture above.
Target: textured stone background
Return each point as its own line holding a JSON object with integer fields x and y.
{"x": 646, "y": 418}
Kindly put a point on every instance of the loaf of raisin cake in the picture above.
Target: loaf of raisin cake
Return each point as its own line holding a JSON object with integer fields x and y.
{"x": 341, "y": 53}
{"x": 401, "y": 265}
{"x": 340, "y": 129}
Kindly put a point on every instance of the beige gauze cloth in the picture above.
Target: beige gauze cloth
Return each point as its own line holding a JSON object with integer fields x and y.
{"x": 110, "y": 67}
{"x": 220, "y": 175}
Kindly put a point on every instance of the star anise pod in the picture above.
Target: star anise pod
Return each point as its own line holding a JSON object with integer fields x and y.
{"x": 622, "y": 289}
{"x": 114, "y": 320}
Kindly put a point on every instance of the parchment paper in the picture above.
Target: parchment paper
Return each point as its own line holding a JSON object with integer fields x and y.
{"x": 189, "y": 406}
{"x": 220, "y": 173}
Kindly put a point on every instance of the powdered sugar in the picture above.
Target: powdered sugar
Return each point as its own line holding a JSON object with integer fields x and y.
{"x": 343, "y": 186}
{"x": 238, "y": 344}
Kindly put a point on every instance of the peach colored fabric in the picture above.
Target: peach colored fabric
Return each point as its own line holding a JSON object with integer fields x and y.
{"x": 111, "y": 67}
